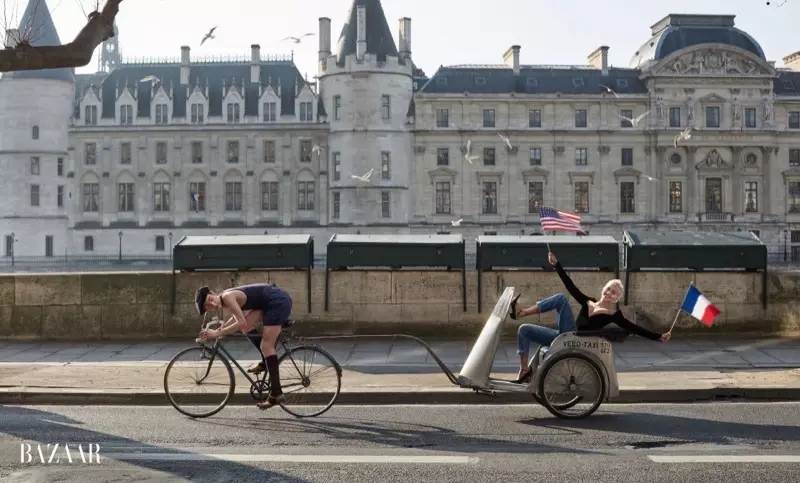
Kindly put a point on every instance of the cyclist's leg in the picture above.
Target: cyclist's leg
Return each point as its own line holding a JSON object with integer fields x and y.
{"x": 273, "y": 320}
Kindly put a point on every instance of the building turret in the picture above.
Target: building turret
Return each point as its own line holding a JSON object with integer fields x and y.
{"x": 35, "y": 108}
{"x": 366, "y": 86}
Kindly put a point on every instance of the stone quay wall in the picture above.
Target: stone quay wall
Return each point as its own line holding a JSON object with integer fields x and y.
{"x": 136, "y": 306}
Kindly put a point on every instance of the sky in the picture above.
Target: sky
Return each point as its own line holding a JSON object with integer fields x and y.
{"x": 443, "y": 32}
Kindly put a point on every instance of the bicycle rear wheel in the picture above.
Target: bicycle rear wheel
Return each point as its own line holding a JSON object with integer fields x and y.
{"x": 199, "y": 382}
{"x": 311, "y": 380}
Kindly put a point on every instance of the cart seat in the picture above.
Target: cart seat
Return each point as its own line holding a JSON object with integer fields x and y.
{"x": 611, "y": 335}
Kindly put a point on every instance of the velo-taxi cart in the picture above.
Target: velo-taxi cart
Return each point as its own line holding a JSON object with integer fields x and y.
{"x": 571, "y": 378}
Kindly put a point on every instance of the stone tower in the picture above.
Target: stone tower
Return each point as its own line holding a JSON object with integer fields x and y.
{"x": 110, "y": 55}
{"x": 35, "y": 108}
{"x": 366, "y": 87}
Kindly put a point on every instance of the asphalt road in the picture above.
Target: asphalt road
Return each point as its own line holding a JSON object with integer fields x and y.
{"x": 620, "y": 444}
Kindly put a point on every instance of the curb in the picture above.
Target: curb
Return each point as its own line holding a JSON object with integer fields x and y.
{"x": 448, "y": 396}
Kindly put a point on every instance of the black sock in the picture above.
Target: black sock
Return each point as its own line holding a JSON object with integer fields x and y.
{"x": 274, "y": 377}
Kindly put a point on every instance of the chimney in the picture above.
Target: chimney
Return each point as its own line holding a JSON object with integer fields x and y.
{"x": 511, "y": 58}
{"x": 12, "y": 38}
{"x": 255, "y": 63}
{"x": 185, "y": 53}
{"x": 361, "y": 29}
{"x": 405, "y": 38}
{"x": 324, "y": 38}
{"x": 599, "y": 59}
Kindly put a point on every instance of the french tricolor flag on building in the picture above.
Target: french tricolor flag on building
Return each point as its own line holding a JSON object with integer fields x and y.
{"x": 698, "y": 306}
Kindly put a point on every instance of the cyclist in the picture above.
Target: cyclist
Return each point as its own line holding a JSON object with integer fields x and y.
{"x": 257, "y": 307}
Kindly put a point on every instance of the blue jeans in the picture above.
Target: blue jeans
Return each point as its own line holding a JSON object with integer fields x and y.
{"x": 545, "y": 336}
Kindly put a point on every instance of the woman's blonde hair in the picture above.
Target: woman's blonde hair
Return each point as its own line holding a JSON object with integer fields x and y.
{"x": 614, "y": 283}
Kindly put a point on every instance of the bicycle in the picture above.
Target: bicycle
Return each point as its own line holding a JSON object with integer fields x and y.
{"x": 259, "y": 387}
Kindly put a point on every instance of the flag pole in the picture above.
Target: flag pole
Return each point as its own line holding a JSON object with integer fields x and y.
{"x": 674, "y": 321}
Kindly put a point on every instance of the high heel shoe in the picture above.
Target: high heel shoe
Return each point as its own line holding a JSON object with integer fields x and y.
{"x": 512, "y": 311}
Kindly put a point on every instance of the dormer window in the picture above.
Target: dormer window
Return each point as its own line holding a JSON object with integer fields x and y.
{"x": 480, "y": 81}
{"x": 306, "y": 112}
{"x": 198, "y": 113}
{"x": 126, "y": 115}
{"x": 532, "y": 82}
{"x": 788, "y": 85}
{"x": 90, "y": 115}
{"x": 234, "y": 114}
{"x": 577, "y": 81}
{"x": 270, "y": 111}
{"x": 161, "y": 114}
{"x": 441, "y": 81}
{"x": 622, "y": 83}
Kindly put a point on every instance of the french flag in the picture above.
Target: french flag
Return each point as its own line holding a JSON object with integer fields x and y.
{"x": 698, "y": 306}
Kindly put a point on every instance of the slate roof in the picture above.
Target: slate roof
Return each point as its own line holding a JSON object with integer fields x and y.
{"x": 500, "y": 79}
{"x": 669, "y": 36}
{"x": 216, "y": 77}
{"x": 37, "y": 27}
{"x": 379, "y": 36}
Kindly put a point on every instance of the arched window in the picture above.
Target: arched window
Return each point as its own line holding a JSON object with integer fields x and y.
{"x": 35, "y": 132}
{"x": 88, "y": 244}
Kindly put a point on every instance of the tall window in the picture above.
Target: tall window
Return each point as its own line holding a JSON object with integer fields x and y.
{"x": 443, "y": 197}
{"x": 34, "y": 195}
{"x": 90, "y": 115}
{"x": 125, "y": 194}
{"x": 270, "y": 111}
{"x": 198, "y": 113}
{"x": 90, "y": 197}
{"x": 60, "y": 166}
{"x": 161, "y": 198}
{"x": 488, "y": 118}
{"x": 626, "y": 155}
{"x": 535, "y": 196}
{"x": 581, "y": 197}
{"x": 794, "y": 157}
{"x": 337, "y": 166}
{"x": 305, "y": 195}
{"x": 793, "y": 196}
{"x": 125, "y": 153}
{"x": 674, "y": 117}
{"x": 60, "y": 196}
{"x": 233, "y": 152}
{"x": 488, "y": 156}
{"x": 534, "y": 118}
{"x": 751, "y": 196}
{"x": 627, "y": 197}
{"x": 581, "y": 118}
{"x": 337, "y": 107}
{"x": 336, "y": 205}
{"x": 442, "y": 156}
{"x": 624, "y": 116}
{"x": 233, "y": 196}
{"x": 536, "y": 157}
{"x": 197, "y": 196}
{"x": 442, "y": 117}
{"x": 386, "y": 205}
{"x": 88, "y": 243}
{"x": 269, "y": 196}
{"x": 712, "y": 116}
{"x": 160, "y": 243}
{"x": 306, "y": 112}
{"x": 126, "y": 114}
{"x": 35, "y": 132}
{"x": 386, "y": 107}
{"x": 675, "y": 197}
{"x": 162, "y": 114}
{"x": 48, "y": 246}
{"x": 90, "y": 154}
{"x": 581, "y": 156}
{"x": 234, "y": 112}
{"x": 794, "y": 119}
{"x": 9, "y": 245}
{"x": 386, "y": 166}
{"x": 197, "y": 152}
{"x": 35, "y": 166}
{"x": 161, "y": 152}
{"x": 713, "y": 195}
{"x": 489, "y": 198}
{"x": 750, "y": 117}
{"x": 269, "y": 151}
{"x": 305, "y": 151}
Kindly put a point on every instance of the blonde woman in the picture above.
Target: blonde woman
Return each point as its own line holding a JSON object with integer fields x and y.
{"x": 594, "y": 315}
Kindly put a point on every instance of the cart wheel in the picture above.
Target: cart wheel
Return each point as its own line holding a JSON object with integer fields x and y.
{"x": 568, "y": 380}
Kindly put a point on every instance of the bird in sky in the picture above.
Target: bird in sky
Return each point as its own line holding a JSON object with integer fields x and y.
{"x": 634, "y": 122}
{"x": 297, "y": 40}
{"x": 364, "y": 177}
{"x": 686, "y": 134}
{"x": 609, "y": 90}
{"x": 209, "y": 35}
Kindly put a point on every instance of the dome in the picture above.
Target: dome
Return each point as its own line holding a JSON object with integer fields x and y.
{"x": 678, "y": 32}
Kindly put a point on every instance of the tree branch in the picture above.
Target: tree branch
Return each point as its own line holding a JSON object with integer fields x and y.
{"x": 77, "y": 53}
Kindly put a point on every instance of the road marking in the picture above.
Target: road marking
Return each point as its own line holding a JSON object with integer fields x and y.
{"x": 293, "y": 458}
{"x": 767, "y": 458}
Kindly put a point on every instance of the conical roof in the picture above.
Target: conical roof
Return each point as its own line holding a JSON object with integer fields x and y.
{"x": 38, "y": 28}
{"x": 379, "y": 37}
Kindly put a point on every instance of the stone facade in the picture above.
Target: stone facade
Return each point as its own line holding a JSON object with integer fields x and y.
{"x": 158, "y": 150}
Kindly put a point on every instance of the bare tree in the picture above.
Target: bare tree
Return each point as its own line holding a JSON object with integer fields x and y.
{"x": 78, "y": 53}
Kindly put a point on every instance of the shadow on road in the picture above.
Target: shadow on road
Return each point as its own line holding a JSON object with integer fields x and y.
{"x": 390, "y": 433}
{"x": 673, "y": 427}
{"x": 16, "y": 421}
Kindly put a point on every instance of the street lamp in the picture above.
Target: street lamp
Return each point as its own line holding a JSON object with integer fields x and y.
{"x": 120, "y": 246}
{"x": 785, "y": 244}
{"x": 170, "y": 245}
{"x": 13, "y": 239}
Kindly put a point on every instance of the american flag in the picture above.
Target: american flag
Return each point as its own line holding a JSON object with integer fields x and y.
{"x": 557, "y": 220}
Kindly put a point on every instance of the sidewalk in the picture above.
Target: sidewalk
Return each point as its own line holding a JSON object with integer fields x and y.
{"x": 402, "y": 372}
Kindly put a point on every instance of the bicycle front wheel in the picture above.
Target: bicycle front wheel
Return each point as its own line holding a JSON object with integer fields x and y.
{"x": 311, "y": 380}
{"x": 199, "y": 382}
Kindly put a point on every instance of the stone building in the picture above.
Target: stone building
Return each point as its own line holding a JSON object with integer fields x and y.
{"x": 155, "y": 150}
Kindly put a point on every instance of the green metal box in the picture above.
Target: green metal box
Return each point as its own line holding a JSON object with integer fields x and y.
{"x": 646, "y": 250}
{"x": 574, "y": 252}
{"x": 395, "y": 251}
{"x": 244, "y": 252}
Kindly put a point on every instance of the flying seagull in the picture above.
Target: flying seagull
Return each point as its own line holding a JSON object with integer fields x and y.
{"x": 150, "y": 78}
{"x": 505, "y": 140}
{"x": 365, "y": 177}
{"x": 469, "y": 156}
{"x": 686, "y": 134}
{"x": 638, "y": 119}
{"x": 316, "y": 150}
{"x": 209, "y": 35}
{"x": 298, "y": 39}
{"x": 457, "y": 222}
{"x": 609, "y": 90}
